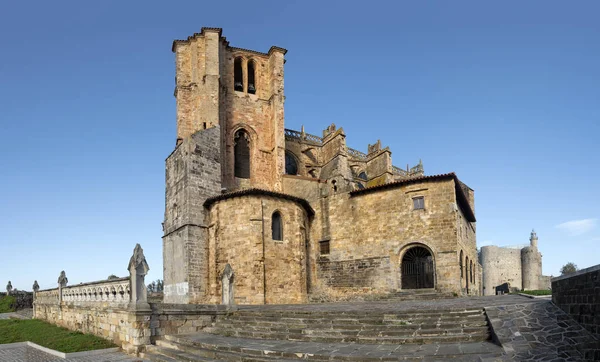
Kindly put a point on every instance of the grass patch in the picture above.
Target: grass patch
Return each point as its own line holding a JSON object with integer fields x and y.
{"x": 537, "y": 292}
{"x": 49, "y": 335}
{"x": 7, "y": 304}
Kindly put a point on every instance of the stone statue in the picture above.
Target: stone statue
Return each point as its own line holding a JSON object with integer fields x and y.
{"x": 9, "y": 288}
{"x": 62, "y": 279}
{"x": 138, "y": 268}
{"x": 36, "y": 286}
{"x": 227, "y": 285}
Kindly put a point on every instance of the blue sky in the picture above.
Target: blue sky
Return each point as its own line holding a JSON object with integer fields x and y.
{"x": 505, "y": 94}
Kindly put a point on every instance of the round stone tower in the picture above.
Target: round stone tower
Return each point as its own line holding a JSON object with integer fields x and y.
{"x": 531, "y": 261}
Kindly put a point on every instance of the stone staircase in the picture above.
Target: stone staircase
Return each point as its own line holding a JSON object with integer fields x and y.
{"x": 356, "y": 327}
{"x": 259, "y": 334}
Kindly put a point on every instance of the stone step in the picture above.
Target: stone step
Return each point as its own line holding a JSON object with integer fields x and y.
{"x": 354, "y": 337}
{"x": 382, "y": 319}
{"x": 205, "y": 345}
{"x": 299, "y": 312}
{"x": 167, "y": 351}
{"x": 357, "y": 329}
{"x": 388, "y": 324}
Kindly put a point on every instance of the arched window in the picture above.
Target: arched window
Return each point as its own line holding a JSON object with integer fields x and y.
{"x": 467, "y": 269}
{"x": 241, "y": 150}
{"x": 291, "y": 166}
{"x": 471, "y": 271}
{"x": 276, "y": 226}
{"x": 461, "y": 264}
{"x": 363, "y": 176}
{"x": 251, "y": 79}
{"x": 238, "y": 75}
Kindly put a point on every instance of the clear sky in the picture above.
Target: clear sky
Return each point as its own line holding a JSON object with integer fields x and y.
{"x": 505, "y": 94}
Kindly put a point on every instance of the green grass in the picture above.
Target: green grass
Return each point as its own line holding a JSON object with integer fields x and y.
{"x": 49, "y": 335}
{"x": 537, "y": 292}
{"x": 7, "y": 304}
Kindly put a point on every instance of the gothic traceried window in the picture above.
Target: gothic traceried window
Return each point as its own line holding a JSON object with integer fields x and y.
{"x": 291, "y": 166}
{"x": 363, "y": 176}
{"x": 251, "y": 78}
{"x": 242, "y": 154}
{"x": 238, "y": 75}
{"x": 276, "y": 226}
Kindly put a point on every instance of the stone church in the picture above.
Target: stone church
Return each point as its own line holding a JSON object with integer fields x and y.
{"x": 256, "y": 213}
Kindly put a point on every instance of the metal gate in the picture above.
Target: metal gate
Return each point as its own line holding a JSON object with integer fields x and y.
{"x": 417, "y": 269}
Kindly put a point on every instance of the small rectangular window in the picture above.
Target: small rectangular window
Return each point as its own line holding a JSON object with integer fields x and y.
{"x": 324, "y": 247}
{"x": 419, "y": 203}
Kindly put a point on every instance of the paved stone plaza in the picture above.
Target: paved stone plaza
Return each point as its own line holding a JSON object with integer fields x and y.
{"x": 10, "y": 353}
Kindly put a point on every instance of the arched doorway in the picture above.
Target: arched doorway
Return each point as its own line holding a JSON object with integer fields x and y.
{"x": 417, "y": 268}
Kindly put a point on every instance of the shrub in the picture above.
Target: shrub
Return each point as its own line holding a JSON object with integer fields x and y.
{"x": 8, "y": 304}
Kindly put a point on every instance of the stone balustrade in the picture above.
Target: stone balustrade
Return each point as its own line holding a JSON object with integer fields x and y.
{"x": 48, "y": 296}
{"x": 114, "y": 291}
{"x": 290, "y": 134}
{"x": 356, "y": 154}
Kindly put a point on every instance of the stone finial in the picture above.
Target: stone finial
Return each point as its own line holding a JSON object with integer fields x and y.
{"x": 227, "y": 285}
{"x": 376, "y": 147}
{"x": 9, "y": 287}
{"x": 36, "y": 286}
{"x": 62, "y": 279}
{"x": 329, "y": 130}
{"x": 138, "y": 268}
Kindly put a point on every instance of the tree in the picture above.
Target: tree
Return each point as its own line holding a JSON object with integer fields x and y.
{"x": 568, "y": 268}
{"x": 112, "y": 276}
{"x": 155, "y": 286}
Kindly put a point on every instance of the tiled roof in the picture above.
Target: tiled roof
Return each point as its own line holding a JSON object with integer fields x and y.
{"x": 224, "y": 40}
{"x": 460, "y": 195}
{"x": 259, "y": 192}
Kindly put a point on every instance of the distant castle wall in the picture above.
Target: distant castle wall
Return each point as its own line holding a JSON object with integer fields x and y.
{"x": 521, "y": 268}
{"x": 500, "y": 265}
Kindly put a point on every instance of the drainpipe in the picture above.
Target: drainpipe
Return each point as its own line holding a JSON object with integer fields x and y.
{"x": 262, "y": 207}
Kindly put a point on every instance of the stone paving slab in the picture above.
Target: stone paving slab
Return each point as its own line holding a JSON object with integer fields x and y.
{"x": 541, "y": 332}
{"x": 23, "y": 353}
{"x": 11, "y": 316}
{"x": 351, "y": 351}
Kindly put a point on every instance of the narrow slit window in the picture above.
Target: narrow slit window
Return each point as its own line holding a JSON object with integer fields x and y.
{"x": 238, "y": 75}
{"x": 461, "y": 264}
{"x": 419, "y": 203}
{"x": 324, "y": 247}
{"x": 251, "y": 78}
{"x": 276, "y": 226}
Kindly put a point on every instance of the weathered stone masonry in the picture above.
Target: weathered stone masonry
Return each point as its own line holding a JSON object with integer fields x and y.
{"x": 578, "y": 294}
{"x": 349, "y": 219}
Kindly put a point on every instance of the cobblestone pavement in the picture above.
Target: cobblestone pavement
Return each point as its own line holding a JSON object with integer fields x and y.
{"x": 29, "y": 354}
{"x": 541, "y": 332}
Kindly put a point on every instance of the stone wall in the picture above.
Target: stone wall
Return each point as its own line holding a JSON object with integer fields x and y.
{"x": 382, "y": 224}
{"x": 500, "y": 265}
{"x": 266, "y": 270}
{"x": 578, "y": 294}
{"x": 99, "y": 308}
{"x": 368, "y": 273}
{"x": 193, "y": 173}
